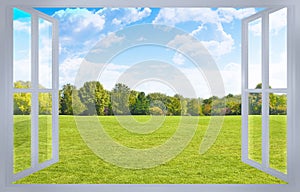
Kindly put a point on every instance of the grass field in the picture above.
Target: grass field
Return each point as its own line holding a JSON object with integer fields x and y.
{"x": 221, "y": 164}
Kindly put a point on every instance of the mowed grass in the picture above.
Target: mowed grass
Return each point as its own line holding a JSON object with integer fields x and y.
{"x": 220, "y": 164}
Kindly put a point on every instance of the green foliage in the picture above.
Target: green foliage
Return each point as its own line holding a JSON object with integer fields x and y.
{"x": 94, "y": 97}
{"x": 173, "y": 106}
{"x": 156, "y": 111}
{"x": 120, "y": 99}
{"x": 141, "y": 105}
{"x": 70, "y": 102}
{"x": 194, "y": 107}
{"x": 45, "y": 104}
{"x": 22, "y": 101}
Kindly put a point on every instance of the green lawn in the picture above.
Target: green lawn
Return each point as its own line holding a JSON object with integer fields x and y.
{"x": 221, "y": 164}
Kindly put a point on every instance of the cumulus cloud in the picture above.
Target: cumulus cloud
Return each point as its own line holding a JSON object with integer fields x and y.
{"x": 178, "y": 59}
{"x": 224, "y": 42}
{"x": 228, "y": 14}
{"x": 80, "y": 19}
{"x": 199, "y": 29}
{"x": 130, "y": 15}
{"x": 110, "y": 39}
{"x": 222, "y": 47}
{"x": 172, "y": 16}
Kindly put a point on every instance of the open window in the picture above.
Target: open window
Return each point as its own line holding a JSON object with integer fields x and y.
{"x": 267, "y": 140}
{"x": 34, "y": 93}
{"x": 264, "y": 86}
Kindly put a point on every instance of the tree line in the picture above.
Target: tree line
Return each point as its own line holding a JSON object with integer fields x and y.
{"x": 93, "y": 99}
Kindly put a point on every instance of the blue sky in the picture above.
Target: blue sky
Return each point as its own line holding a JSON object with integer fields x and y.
{"x": 218, "y": 29}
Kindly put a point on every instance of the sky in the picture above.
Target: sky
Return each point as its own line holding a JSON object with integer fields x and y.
{"x": 217, "y": 31}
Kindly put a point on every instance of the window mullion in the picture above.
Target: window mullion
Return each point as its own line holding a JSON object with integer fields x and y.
{"x": 265, "y": 87}
{"x": 245, "y": 147}
{"x": 35, "y": 85}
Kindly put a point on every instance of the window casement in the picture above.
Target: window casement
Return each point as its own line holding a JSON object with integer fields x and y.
{"x": 257, "y": 66}
{"x": 37, "y": 81}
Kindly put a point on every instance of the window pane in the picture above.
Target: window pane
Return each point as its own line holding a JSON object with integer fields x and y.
{"x": 255, "y": 126}
{"x": 278, "y": 131}
{"x": 22, "y": 46}
{"x": 278, "y": 49}
{"x": 45, "y": 127}
{"x": 22, "y": 131}
{"x": 254, "y": 53}
{"x": 45, "y": 54}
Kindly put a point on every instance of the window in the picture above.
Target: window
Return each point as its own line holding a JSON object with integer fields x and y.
{"x": 35, "y": 92}
{"x": 262, "y": 67}
{"x": 260, "y": 157}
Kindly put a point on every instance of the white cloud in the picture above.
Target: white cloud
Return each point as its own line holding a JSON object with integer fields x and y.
{"x": 110, "y": 39}
{"x": 68, "y": 70}
{"x": 135, "y": 14}
{"x": 22, "y": 70}
{"x": 198, "y": 81}
{"x": 125, "y": 16}
{"x": 228, "y": 14}
{"x": 278, "y": 71}
{"x": 110, "y": 75}
{"x": 278, "y": 21}
{"x": 231, "y": 75}
{"x": 22, "y": 26}
{"x": 80, "y": 19}
{"x": 188, "y": 45}
{"x": 199, "y": 29}
{"x": 224, "y": 42}
{"x": 222, "y": 47}
{"x": 116, "y": 21}
{"x": 255, "y": 27}
{"x": 178, "y": 59}
{"x": 172, "y": 16}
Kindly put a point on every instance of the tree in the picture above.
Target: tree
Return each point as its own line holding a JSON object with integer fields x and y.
{"x": 278, "y": 104}
{"x": 194, "y": 107}
{"x": 94, "y": 97}
{"x": 45, "y": 104}
{"x": 156, "y": 111}
{"x": 141, "y": 106}
{"x": 120, "y": 99}
{"x": 173, "y": 106}
{"x": 233, "y": 104}
{"x": 22, "y": 101}
{"x": 132, "y": 100}
{"x": 158, "y": 100}
{"x": 70, "y": 102}
{"x": 206, "y": 106}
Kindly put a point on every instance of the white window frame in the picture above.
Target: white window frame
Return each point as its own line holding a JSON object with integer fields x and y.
{"x": 264, "y": 91}
{"x": 34, "y": 90}
{"x": 293, "y": 92}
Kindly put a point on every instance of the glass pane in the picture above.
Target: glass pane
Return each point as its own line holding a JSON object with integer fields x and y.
{"x": 278, "y": 131}
{"x": 278, "y": 49}
{"x": 45, "y": 54}
{"x": 255, "y": 126}
{"x": 45, "y": 127}
{"x": 22, "y": 131}
{"x": 22, "y": 48}
{"x": 254, "y": 54}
